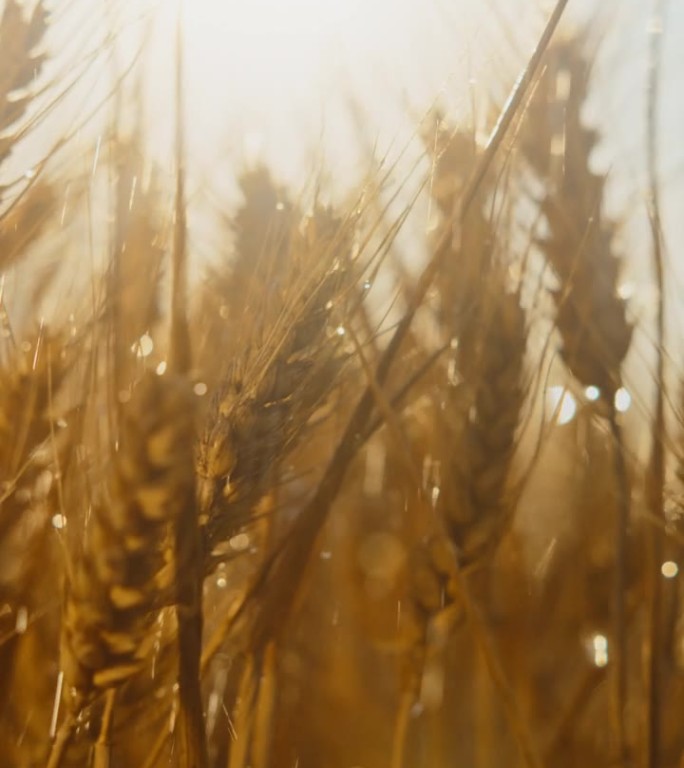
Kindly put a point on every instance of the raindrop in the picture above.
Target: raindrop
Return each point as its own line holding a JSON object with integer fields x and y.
{"x": 200, "y": 389}
{"x": 161, "y": 368}
{"x": 599, "y": 645}
{"x": 22, "y": 620}
{"x": 669, "y": 569}
{"x": 592, "y": 393}
{"x": 144, "y": 346}
{"x": 240, "y": 542}
{"x": 131, "y": 199}
{"x": 562, "y": 404}
{"x": 59, "y": 521}
{"x": 623, "y": 400}
{"x": 453, "y": 376}
{"x": 340, "y": 330}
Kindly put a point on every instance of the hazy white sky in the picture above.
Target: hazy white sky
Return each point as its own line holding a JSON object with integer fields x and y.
{"x": 279, "y": 78}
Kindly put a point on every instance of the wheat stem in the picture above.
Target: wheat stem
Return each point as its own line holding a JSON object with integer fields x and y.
{"x": 103, "y": 756}
{"x": 620, "y": 663}
{"x": 61, "y": 743}
{"x": 653, "y": 643}
{"x": 401, "y": 727}
{"x": 187, "y": 541}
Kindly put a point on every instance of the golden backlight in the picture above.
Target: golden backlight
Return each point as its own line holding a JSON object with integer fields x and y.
{"x": 274, "y": 78}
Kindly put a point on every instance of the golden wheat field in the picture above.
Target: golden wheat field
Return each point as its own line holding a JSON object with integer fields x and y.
{"x": 341, "y": 406}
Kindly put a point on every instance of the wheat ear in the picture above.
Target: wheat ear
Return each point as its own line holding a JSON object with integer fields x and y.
{"x": 590, "y": 314}
{"x": 483, "y": 318}
{"x": 20, "y": 62}
{"x": 233, "y": 293}
{"x": 125, "y": 571}
{"x": 283, "y": 573}
{"x": 261, "y": 410}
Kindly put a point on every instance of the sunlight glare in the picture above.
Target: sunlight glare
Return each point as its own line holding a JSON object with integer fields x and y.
{"x": 275, "y": 42}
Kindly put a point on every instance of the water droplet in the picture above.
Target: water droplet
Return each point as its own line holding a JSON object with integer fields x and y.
{"x": 22, "y": 620}
{"x": 561, "y": 404}
{"x": 200, "y": 389}
{"x": 161, "y": 368}
{"x": 131, "y": 199}
{"x": 340, "y": 330}
{"x": 59, "y": 521}
{"x": 669, "y": 569}
{"x": 453, "y": 376}
{"x": 623, "y": 400}
{"x": 599, "y": 647}
{"x": 592, "y": 393}
{"x": 240, "y": 542}
{"x": 144, "y": 346}
{"x": 221, "y": 582}
{"x": 30, "y": 173}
